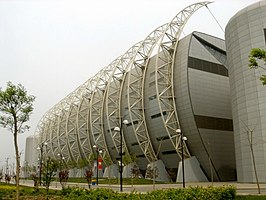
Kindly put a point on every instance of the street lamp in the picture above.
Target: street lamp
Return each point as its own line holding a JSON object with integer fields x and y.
{"x": 98, "y": 151}
{"x": 119, "y": 129}
{"x": 183, "y": 138}
{"x": 62, "y": 158}
{"x": 41, "y": 159}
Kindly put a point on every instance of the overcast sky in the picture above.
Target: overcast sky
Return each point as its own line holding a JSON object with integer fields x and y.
{"x": 53, "y": 46}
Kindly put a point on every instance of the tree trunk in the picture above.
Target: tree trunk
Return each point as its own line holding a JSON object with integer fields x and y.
{"x": 250, "y": 141}
{"x": 17, "y": 157}
{"x": 255, "y": 169}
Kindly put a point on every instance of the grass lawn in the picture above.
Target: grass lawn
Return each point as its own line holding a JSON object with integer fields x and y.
{"x": 8, "y": 191}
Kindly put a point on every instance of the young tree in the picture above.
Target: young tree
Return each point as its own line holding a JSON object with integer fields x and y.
{"x": 35, "y": 179}
{"x": 251, "y": 143}
{"x": 255, "y": 55}
{"x": 15, "y": 108}
{"x": 63, "y": 177}
{"x": 1, "y": 175}
{"x": 172, "y": 172}
{"x": 50, "y": 168}
{"x": 88, "y": 175}
{"x": 135, "y": 173}
{"x": 152, "y": 173}
{"x": 7, "y": 178}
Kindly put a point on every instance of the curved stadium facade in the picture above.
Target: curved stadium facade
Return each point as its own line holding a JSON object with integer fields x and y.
{"x": 159, "y": 85}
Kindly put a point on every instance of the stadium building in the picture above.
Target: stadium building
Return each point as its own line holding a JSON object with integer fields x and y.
{"x": 167, "y": 90}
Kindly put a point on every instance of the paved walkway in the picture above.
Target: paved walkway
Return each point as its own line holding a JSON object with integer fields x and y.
{"x": 242, "y": 188}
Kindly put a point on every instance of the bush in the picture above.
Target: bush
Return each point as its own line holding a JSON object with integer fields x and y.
{"x": 96, "y": 194}
{"x": 214, "y": 193}
{"x": 7, "y": 191}
{"x": 193, "y": 193}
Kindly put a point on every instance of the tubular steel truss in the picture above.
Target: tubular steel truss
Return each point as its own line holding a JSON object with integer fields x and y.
{"x": 164, "y": 74}
{"x": 96, "y": 112}
{"x": 135, "y": 91}
{"x": 77, "y": 122}
{"x": 114, "y": 96}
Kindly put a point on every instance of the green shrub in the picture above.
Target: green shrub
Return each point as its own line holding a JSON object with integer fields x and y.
{"x": 193, "y": 193}
{"x": 66, "y": 191}
{"x": 96, "y": 194}
{"x": 214, "y": 193}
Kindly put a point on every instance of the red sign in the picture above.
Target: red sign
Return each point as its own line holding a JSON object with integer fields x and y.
{"x": 100, "y": 164}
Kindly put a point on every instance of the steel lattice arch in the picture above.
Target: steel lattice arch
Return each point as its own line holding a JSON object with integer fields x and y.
{"x": 153, "y": 86}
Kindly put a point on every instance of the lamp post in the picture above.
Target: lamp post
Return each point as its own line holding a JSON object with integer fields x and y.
{"x": 182, "y": 155}
{"x": 62, "y": 158}
{"x": 41, "y": 160}
{"x": 119, "y": 129}
{"x": 98, "y": 151}
{"x": 61, "y": 174}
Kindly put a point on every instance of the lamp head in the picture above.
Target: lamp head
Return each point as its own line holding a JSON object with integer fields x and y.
{"x": 117, "y": 129}
{"x": 125, "y": 121}
{"x": 178, "y": 130}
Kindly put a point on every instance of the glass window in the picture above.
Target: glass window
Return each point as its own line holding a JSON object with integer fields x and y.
{"x": 265, "y": 35}
{"x": 214, "y": 123}
{"x": 207, "y": 66}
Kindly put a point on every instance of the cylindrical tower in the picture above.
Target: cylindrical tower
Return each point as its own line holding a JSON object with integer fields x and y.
{"x": 247, "y": 30}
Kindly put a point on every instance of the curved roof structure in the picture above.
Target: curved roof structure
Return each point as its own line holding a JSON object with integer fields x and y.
{"x": 140, "y": 86}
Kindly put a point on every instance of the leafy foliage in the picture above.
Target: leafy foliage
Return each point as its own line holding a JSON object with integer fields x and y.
{"x": 63, "y": 177}
{"x": 152, "y": 172}
{"x": 88, "y": 175}
{"x": 255, "y": 55}
{"x": 35, "y": 178}
{"x": 7, "y": 191}
{"x": 1, "y": 176}
{"x": 135, "y": 171}
{"x": 50, "y": 168}
{"x": 70, "y": 164}
{"x": 172, "y": 172}
{"x": 214, "y": 193}
{"x": 15, "y": 107}
{"x": 199, "y": 193}
{"x": 7, "y": 178}
{"x": 129, "y": 158}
